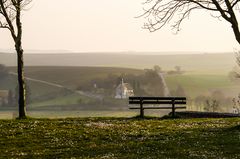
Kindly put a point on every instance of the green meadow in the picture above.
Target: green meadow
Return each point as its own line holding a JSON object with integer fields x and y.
{"x": 130, "y": 138}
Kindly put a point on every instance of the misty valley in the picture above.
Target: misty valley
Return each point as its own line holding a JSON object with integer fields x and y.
{"x": 73, "y": 90}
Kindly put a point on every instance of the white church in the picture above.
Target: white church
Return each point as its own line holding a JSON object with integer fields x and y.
{"x": 124, "y": 90}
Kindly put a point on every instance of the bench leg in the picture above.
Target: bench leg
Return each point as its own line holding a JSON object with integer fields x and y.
{"x": 141, "y": 111}
{"x": 173, "y": 110}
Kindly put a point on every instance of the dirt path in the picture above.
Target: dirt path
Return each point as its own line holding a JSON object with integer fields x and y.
{"x": 87, "y": 94}
{"x": 166, "y": 90}
{"x": 40, "y": 81}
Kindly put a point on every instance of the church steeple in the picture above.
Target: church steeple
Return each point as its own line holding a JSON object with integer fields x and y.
{"x": 123, "y": 90}
{"x": 122, "y": 81}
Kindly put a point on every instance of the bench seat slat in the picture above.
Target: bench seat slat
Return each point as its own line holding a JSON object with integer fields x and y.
{"x": 181, "y": 107}
{"x": 157, "y": 102}
{"x": 157, "y": 98}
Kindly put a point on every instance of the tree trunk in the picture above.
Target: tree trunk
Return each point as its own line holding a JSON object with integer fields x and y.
{"x": 20, "y": 63}
{"x": 236, "y": 33}
{"x": 21, "y": 83}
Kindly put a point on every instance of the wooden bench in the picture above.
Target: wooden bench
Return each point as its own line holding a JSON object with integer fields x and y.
{"x": 157, "y": 103}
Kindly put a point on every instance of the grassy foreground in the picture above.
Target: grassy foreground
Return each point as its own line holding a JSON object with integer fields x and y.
{"x": 120, "y": 138}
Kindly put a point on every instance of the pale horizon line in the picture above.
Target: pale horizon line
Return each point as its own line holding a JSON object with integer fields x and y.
{"x": 62, "y": 51}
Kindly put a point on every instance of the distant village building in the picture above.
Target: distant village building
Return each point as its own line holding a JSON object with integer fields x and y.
{"x": 4, "y": 97}
{"x": 236, "y": 110}
{"x": 124, "y": 90}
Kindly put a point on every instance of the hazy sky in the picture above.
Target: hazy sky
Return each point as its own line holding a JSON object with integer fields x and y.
{"x": 109, "y": 25}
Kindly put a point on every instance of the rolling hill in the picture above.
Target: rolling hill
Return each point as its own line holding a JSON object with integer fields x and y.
{"x": 193, "y": 84}
{"x": 220, "y": 63}
{"x": 55, "y": 87}
{"x": 72, "y": 77}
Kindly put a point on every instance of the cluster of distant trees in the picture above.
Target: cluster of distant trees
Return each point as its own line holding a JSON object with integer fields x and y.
{"x": 215, "y": 102}
{"x": 177, "y": 70}
{"x": 12, "y": 97}
{"x": 3, "y": 71}
{"x": 11, "y": 100}
{"x": 148, "y": 83}
{"x": 12, "y": 94}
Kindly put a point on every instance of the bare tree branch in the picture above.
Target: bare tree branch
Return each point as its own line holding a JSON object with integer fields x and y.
{"x": 159, "y": 13}
{"x": 234, "y": 3}
{"x": 7, "y": 15}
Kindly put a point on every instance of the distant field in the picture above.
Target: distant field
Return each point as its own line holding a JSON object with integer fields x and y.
{"x": 37, "y": 90}
{"x": 220, "y": 63}
{"x": 203, "y": 84}
{"x": 71, "y": 77}
{"x": 193, "y": 83}
{"x": 70, "y": 99}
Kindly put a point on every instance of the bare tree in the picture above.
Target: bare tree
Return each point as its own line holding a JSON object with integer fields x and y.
{"x": 10, "y": 18}
{"x": 162, "y": 12}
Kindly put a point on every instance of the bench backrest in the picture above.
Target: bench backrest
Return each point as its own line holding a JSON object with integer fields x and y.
{"x": 157, "y": 100}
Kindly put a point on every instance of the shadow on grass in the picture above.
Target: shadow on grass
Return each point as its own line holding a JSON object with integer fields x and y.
{"x": 234, "y": 128}
{"x": 138, "y": 117}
